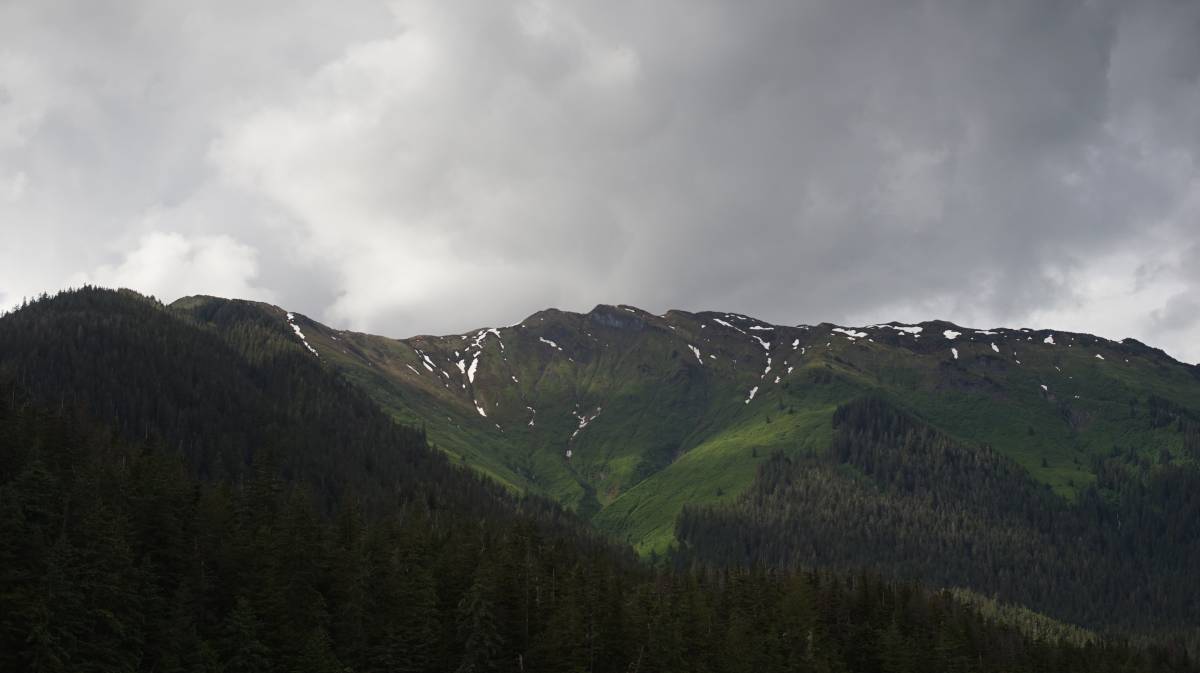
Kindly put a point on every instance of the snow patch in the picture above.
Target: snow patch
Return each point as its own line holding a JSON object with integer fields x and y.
{"x": 731, "y": 326}
{"x": 696, "y": 352}
{"x": 480, "y": 409}
{"x": 549, "y": 342}
{"x": 1099, "y": 356}
{"x": 850, "y": 333}
{"x": 291, "y": 317}
{"x": 753, "y": 392}
{"x": 584, "y": 420}
{"x": 951, "y": 334}
{"x": 907, "y": 329}
{"x": 955, "y": 351}
{"x": 995, "y": 348}
{"x": 482, "y": 334}
{"x": 1049, "y": 340}
{"x": 471, "y": 369}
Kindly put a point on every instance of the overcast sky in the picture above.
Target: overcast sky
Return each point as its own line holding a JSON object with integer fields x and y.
{"x": 431, "y": 167}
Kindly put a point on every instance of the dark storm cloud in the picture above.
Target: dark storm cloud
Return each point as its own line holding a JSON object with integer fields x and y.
{"x": 435, "y": 166}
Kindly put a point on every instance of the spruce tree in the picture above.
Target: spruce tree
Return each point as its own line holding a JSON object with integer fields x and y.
{"x": 477, "y": 628}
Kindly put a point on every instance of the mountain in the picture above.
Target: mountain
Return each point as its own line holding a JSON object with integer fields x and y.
{"x": 194, "y": 489}
{"x": 1027, "y": 454}
{"x": 898, "y": 496}
{"x": 224, "y": 399}
{"x": 626, "y": 416}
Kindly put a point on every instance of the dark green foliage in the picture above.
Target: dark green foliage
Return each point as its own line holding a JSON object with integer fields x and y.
{"x": 226, "y": 389}
{"x": 1191, "y": 440}
{"x": 243, "y": 651}
{"x": 219, "y": 398}
{"x": 250, "y": 579}
{"x": 477, "y": 628}
{"x": 896, "y": 496}
{"x": 148, "y": 523}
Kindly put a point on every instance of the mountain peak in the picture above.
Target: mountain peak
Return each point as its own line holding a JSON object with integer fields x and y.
{"x": 619, "y": 317}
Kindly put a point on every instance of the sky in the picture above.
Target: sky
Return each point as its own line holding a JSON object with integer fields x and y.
{"x": 437, "y": 166}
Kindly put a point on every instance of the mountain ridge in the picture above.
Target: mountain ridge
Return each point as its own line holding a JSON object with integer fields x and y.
{"x": 1065, "y": 482}
{"x": 626, "y": 416}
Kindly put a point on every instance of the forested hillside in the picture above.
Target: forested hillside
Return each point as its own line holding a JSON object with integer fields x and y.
{"x": 193, "y": 488}
{"x": 1053, "y": 470}
{"x": 894, "y": 495}
{"x": 115, "y": 557}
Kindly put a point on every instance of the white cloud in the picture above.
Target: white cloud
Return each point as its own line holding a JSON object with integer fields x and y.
{"x": 13, "y": 188}
{"x": 170, "y": 265}
{"x": 26, "y": 94}
{"x": 1113, "y": 297}
{"x": 432, "y": 173}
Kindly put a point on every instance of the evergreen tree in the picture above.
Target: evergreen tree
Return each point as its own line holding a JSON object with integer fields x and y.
{"x": 478, "y": 631}
{"x": 243, "y": 651}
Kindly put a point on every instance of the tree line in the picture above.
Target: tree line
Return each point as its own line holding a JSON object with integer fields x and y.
{"x": 896, "y": 496}
{"x": 115, "y": 557}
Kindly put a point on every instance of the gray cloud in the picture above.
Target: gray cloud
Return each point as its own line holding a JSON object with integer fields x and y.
{"x": 431, "y": 167}
{"x": 1180, "y": 312}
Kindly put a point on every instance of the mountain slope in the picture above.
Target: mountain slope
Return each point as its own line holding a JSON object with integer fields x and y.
{"x": 117, "y": 559}
{"x": 231, "y": 394}
{"x": 195, "y": 489}
{"x": 626, "y": 416}
{"x": 897, "y": 496}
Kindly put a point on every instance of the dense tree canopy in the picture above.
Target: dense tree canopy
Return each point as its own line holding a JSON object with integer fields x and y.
{"x": 174, "y": 499}
{"x": 895, "y": 496}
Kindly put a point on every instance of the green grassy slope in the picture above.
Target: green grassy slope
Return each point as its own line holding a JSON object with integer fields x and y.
{"x": 626, "y": 416}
